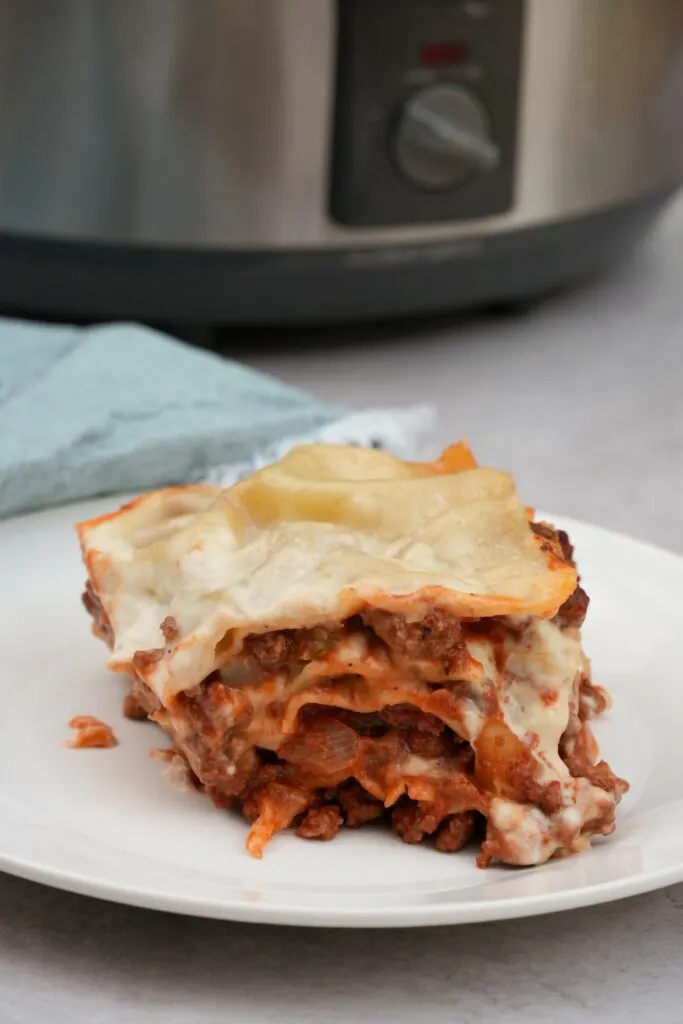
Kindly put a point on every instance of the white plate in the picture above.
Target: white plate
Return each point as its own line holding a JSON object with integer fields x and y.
{"x": 106, "y": 823}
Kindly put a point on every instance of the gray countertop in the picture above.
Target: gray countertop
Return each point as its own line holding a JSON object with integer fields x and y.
{"x": 580, "y": 399}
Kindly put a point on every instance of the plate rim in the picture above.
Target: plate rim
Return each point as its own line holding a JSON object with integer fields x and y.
{"x": 419, "y": 916}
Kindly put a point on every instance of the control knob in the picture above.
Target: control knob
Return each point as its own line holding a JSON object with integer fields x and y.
{"x": 443, "y": 138}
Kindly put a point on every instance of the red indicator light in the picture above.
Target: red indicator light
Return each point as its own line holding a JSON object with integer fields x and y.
{"x": 438, "y": 54}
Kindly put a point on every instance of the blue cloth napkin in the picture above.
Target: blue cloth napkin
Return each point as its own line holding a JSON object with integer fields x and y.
{"x": 122, "y": 408}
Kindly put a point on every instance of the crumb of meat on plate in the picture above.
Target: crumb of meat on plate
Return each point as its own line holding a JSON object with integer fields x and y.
{"x": 91, "y": 732}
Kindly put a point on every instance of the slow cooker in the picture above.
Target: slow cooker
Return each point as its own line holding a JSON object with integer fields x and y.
{"x": 256, "y": 161}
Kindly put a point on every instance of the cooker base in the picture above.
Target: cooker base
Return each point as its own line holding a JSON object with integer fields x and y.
{"x": 82, "y": 281}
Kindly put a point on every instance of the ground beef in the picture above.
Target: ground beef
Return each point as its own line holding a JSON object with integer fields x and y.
{"x": 543, "y": 530}
{"x": 456, "y": 832}
{"x": 567, "y": 547}
{"x": 521, "y": 778}
{"x": 551, "y": 541}
{"x": 93, "y": 606}
{"x": 321, "y": 823}
{"x": 270, "y": 649}
{"x": 406, "y": 716}
{"x": 91, "y": 732}
{"x": 132, "y": 708}
{"x": 425, "y": 735}
{"x": 602, "y": 776}
{"x": 572, "y": 614}
{"x": 208, "y": 730}
{"x": 558, "y": 541}
{"x": 286, "y": 646}
{"x": 437, "y": 636}
{"x": 141, "y": 702}
{"x": 427, "y": 745}
{"x": 225, "y": 789}
{"x": 358, "y": 806}
{"x": 268, "y": 781}
{"x": 414, "y": 821}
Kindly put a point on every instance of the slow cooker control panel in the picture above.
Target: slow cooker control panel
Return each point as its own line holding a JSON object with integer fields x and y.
{"x": 426, "y": 110}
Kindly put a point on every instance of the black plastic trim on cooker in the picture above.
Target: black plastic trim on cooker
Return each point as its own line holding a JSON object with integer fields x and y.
{"x": 89, "y": 282}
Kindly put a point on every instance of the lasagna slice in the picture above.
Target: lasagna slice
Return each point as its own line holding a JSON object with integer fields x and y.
{"x": 346, "y": 637}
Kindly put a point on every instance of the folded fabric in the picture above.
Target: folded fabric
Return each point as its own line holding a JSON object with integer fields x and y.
{"x": 122, "y": 408}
